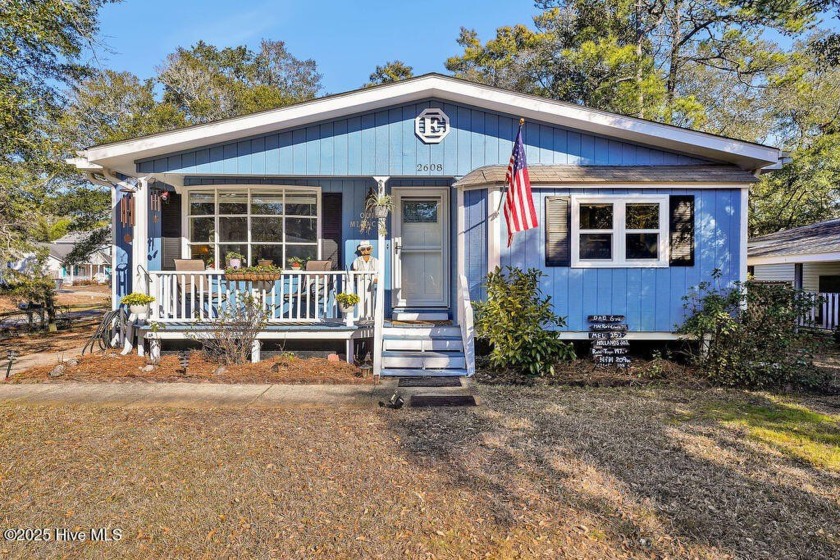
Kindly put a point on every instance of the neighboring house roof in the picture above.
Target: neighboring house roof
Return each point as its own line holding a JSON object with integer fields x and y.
{"x": 120, "y": 156}
{"x": 811, "y": 243}
{"x": 60, "y": 248}
{"x": 560, "y": 174}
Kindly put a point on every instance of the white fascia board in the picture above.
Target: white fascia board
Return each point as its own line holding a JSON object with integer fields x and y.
{"x": 747, "y": 155}
{"x": 619, "y": 185}
{"x": 788, "y": 259}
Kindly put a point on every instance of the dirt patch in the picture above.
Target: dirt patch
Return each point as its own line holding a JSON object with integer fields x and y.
{"x": 111, "y": 367}
{"x": 40, "y": 341}
{"x": 80, "y": 296}
{"x": 584, "y": 373}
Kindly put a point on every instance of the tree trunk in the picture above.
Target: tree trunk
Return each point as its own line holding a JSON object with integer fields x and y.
{"x": 639, "y": 93}
{"x": 673, "y": 57}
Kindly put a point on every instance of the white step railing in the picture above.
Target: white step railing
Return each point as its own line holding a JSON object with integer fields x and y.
{"x": 467, "y": 323}
{"x": 826, "y": 311}
{"x": 296, "y": 297}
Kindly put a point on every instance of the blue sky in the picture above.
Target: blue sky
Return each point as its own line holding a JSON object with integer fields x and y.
{"x": 346, "y": 38}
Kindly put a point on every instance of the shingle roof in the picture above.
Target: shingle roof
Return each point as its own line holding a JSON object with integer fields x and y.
{"x": 813, "y": 239}
{"x": 559, "y": 174}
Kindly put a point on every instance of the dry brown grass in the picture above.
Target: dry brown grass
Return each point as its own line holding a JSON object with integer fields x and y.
{"x": 545, "y": 472}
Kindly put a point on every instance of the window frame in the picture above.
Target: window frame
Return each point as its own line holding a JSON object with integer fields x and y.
{"x": 248, "y": 190}
{"x": 619, "y": 231}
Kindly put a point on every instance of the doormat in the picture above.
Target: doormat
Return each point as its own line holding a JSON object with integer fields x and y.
{"x": 443, "y": 400}
{"x": 429, "y": 382}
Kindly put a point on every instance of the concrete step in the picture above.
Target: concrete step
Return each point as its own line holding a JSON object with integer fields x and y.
{"x": 404, "y": 372}
{"x": 423, "y": 360}
{"x": 423, "y": 343}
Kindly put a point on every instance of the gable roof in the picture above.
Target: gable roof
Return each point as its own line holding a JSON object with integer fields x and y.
{"x": 822, "y": 238}
{"x": 121, "y": 155}
{"x": 624, "y": 174}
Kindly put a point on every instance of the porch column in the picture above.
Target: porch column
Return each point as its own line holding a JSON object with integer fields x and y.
{"x": 379, "y": 302}
{"x": 494, "y": 228}
{"x": 139, "y": 244}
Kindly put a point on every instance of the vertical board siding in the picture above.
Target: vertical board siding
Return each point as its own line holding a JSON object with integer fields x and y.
{"x": 383, "y": 143}
{"x": 650, "y": 298}
{"x": 475, "y": 241}
{"x": 122, "y": 276}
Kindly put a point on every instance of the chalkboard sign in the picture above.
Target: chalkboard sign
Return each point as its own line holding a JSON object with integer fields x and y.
{"x": 608, "y": 339}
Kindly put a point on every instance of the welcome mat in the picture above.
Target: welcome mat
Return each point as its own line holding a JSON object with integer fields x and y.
{"x": 442, "y": 400}
{"x": 429, "y": 382}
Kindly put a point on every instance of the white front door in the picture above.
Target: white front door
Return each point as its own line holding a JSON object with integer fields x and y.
{"x": 421, "y": 247}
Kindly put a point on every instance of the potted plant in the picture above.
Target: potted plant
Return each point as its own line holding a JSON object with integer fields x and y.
{"x": 346, "y": 302}
{"x": 138, "y": 304}
{"x": 265, "y": 262}
{"x": 295, "y": 263}
{"x": 377, "y": 207}
{"x": 234, "y": 259}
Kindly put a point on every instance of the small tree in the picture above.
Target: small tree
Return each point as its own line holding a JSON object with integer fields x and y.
{"x": 750, "y": 334}
{"x": 519, "y": 321}
{"x": 234, "y": 331}
{"x": 34, "y": 286}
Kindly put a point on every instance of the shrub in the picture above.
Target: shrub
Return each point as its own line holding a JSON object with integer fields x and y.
{"x": 750, "y": 336}
{"x": 136, "y": 298}
{"x": 232, "y": 334}
{"x": 518, "y": 321}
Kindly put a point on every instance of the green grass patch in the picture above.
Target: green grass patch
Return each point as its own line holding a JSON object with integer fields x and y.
{"x": 791, "y": 428}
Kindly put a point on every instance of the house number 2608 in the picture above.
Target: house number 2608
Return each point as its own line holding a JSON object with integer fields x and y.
{"x": 429, "y": 167}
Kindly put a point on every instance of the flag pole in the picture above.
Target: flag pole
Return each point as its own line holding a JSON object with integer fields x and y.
{"x": 504, "y": 191}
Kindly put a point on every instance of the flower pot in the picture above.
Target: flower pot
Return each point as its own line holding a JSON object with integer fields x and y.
{"x": 295, "y": 267}
{"x": 381, "y": 211}
{"x": 235, "y": 263}
{"x": 141, "y": 311}
{"x": 265, "y": 262}
{"x": 346, "y": 309}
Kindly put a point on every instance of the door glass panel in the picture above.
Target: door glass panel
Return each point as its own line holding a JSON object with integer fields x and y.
{"x": 423, "y": 211}
{"x": 201, "y": 230}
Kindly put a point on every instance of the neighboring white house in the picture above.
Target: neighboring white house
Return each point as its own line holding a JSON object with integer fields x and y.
{"x": 96, "y": 267}
{"x": 808, "y": 258}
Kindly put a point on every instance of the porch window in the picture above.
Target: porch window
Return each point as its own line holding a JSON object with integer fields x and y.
{"x": 273, "y": 223}
{"x": 609, "y": 231}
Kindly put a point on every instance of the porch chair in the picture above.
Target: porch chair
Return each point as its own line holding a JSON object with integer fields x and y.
{"x": 315, "y": 290}
{"x": 185, "y": 284}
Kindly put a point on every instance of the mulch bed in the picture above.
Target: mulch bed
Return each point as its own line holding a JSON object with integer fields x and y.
{"x": 584, "y": 373}
{"x": 111, "y": 367}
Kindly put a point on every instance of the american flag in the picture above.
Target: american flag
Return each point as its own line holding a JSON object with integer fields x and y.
{"x": 520, "y": 213}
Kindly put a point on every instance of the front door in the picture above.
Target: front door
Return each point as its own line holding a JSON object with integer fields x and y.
{"x": 421, "y": 247}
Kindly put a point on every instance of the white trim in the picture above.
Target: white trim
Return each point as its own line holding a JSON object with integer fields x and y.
{"x": 121, "y": 155}
{"x": 461, "y": 233}
{"x": 742, "y": 260}
{"x": 140, "y": 236}
{"x": 787, "y": 259}
{"x": 494, "y": 229}
{"x": 398, "y": 193}
{"x": 115, "y": 303}
{"x": 618, "y": 231}
{"x": 247, "y": 188}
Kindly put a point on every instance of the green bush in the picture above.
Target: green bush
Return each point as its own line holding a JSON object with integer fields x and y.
{"x": 518, "y": 321}
{"x": 750, "y": 336}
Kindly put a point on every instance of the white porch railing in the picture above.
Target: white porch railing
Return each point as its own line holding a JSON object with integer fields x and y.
{"x": 826, "y": 311}
{"x": 297, "y": 297}
{"x": 466, "y": 322}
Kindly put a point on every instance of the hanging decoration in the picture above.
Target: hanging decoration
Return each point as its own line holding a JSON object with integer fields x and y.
{"x": 127, "y": 210}
{"x": 154, "y": 201}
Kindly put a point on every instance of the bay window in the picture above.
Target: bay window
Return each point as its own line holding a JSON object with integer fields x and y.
{"x": 259, "y": 223}
{"x": 616, "y": 231}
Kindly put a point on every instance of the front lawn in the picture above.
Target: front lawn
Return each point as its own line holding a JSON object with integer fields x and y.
{"x": 548, "y": 472}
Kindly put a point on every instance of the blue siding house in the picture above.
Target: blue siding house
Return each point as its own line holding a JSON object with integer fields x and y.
{"x": 632, "y": 214}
